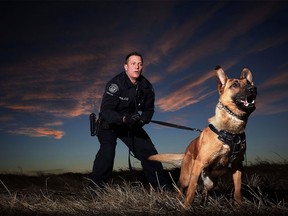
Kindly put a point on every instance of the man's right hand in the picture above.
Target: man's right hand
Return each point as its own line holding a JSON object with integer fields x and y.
{"x": 131, "y": 120}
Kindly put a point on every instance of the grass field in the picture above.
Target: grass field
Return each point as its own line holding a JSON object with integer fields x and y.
{"x": 265, "y": 191}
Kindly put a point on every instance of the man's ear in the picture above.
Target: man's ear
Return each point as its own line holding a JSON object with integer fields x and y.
{"x": 125, "y": 67}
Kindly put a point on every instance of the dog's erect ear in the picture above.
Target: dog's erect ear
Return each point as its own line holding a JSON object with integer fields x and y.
{"x": 246, "y": 74}
{"x": 222, "y": 78}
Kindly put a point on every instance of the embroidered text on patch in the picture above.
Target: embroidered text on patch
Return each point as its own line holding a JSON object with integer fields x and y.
{"x": 124, "y": 98}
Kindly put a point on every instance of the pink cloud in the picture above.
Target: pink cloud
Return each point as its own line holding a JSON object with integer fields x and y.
{"x": 276, "y": 81}
{"x": 272, "y": 103}
{"x": 46, "y": 89}
{"x": 154, "y": 78}
{"x": 54, "y": 123}
{"x": 188, "y": 94}
{"x": 273, "y": 99}
{"x": 267, "y": 43}
{"x": 221, "y": 39}
{"x": 183, "y": 33}
{"x": 39, "y": 132}
{"x": 192, "y": 92}
{"x": 22, "y": 107}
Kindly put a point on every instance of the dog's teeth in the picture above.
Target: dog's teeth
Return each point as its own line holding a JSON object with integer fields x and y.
{"x": 245, "y": 102}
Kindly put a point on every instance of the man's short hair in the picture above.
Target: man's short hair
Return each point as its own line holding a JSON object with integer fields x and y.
{"x": 133, "y": 54}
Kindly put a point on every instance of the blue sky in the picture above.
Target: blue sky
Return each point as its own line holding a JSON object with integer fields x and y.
{"x": 56, "y": 57}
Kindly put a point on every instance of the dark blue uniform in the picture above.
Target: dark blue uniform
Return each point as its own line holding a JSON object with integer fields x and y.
{"x": 121, "y": 98}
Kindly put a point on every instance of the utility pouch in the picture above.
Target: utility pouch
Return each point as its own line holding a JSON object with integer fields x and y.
{"x": 94, "y": 124}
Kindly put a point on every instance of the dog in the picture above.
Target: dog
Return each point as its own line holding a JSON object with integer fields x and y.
{"x": 222, "y": 144}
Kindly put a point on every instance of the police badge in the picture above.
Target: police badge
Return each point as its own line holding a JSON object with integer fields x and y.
{"x": 113, "y": 88}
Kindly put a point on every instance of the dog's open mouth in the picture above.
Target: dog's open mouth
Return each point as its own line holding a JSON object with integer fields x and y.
{"x": 249, "y": 101}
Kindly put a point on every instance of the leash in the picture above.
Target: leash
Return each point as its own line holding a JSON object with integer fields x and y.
{"x": 175, "y": 125}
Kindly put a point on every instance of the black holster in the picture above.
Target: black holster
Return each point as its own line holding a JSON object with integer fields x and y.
{"x": 94, "y": 124}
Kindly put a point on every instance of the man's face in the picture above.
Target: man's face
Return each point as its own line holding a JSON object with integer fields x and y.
{"x": 133, "y": 68}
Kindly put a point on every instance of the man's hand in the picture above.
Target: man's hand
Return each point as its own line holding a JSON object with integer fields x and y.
{"x": 133, "y": 120}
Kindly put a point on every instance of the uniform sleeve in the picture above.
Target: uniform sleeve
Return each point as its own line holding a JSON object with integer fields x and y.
{"x": 109, "y": 104}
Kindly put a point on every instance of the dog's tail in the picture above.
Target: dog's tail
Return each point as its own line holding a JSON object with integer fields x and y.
{"x": 175, "y": 159}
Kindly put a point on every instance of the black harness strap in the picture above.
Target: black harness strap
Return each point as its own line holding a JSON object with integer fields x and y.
{"x": 236, "y": 142}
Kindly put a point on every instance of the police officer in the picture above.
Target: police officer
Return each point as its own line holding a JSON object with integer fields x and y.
{"x": 127, "y": 105}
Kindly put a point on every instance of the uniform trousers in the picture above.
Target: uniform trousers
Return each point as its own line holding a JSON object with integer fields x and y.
{"x": 139, "y": 143}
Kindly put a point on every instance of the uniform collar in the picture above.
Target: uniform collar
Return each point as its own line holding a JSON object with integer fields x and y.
{"x": 129, "y": 83}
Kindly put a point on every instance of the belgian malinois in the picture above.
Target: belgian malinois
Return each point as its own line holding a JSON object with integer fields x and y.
{"x": 220, "y": 146}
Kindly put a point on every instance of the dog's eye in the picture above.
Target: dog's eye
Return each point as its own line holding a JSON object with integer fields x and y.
{"x": 236, "y": 84}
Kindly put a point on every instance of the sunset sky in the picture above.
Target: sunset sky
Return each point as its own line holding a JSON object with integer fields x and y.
{"x": 56, "y": 57}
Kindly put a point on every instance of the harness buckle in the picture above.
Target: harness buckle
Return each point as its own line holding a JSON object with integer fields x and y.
{"x": 236, "y": 140}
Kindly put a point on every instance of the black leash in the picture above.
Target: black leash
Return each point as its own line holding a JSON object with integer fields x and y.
{"x": 175, "y": 125}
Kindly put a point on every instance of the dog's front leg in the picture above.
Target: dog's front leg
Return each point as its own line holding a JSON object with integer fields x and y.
{"x": 185, "y": 175}
{"x": 196, "y": 171}
{"x": 237, "y": 187}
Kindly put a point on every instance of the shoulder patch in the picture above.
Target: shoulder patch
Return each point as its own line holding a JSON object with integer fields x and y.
{"x": 113, "y": 88}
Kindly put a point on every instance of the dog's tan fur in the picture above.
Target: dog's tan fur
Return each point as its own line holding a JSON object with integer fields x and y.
{"x": 206, "y": 155}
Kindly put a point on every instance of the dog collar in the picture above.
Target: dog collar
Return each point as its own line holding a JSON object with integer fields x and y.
{"x": 236, "y": 142}
{"x": 220, "y": 105}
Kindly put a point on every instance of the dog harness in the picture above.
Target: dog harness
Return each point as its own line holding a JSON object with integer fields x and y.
{"x": 236, "y": 142}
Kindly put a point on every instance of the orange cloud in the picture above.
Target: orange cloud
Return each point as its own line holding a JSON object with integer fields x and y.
{"x": 188, "y": 94}
{"x": 22, "y": 107}
{"x": 55, "y": 123}
{"x": 192, "y": 92}
{"x": 39, "y": 132}
{"x": 46, "y": 89}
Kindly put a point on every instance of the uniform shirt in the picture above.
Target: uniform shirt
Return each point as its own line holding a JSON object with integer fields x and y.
{"x": 122, "y": 97}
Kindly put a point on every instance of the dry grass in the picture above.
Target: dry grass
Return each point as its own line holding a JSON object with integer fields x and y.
{"x": 265, "y": 188}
